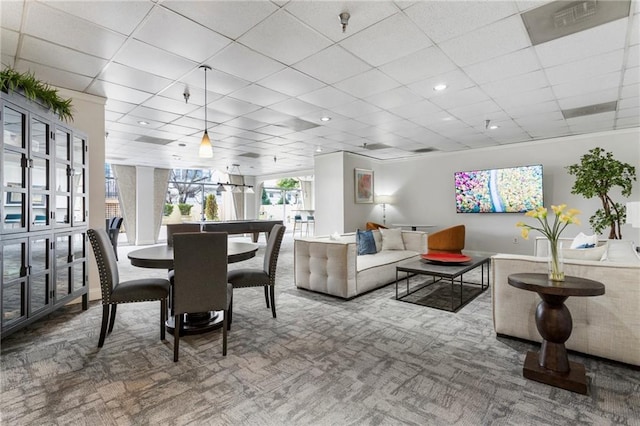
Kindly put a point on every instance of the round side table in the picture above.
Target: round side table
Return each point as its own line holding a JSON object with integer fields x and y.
{"x": 553, "y": 320}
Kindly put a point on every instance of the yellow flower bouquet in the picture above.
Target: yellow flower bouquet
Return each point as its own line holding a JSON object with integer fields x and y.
{"x": 552, "y": 232}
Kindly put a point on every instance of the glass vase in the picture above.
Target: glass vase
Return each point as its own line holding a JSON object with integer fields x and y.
{"x": 556, "y": 265}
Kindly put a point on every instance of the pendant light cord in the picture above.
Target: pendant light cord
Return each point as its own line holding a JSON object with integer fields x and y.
{"x": 206, "y": 126}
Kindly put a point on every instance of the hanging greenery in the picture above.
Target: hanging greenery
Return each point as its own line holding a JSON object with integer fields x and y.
{"x": 36, "y": 90}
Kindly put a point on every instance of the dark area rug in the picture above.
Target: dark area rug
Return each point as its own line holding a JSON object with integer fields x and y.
{"x": 439, "y": 295}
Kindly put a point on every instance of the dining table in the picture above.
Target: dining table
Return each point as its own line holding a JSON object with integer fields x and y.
{"x": 161, "y": 257}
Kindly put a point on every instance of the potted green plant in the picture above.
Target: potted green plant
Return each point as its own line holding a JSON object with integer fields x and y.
{"x": 168, "y": 209}
{"x": 596, "y": 175}
{"x": 36, "y": 90}
{"x": 211, "y": 207}
{"x": 185, "y": 209}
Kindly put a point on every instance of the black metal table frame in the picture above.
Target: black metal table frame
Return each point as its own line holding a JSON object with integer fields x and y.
{"x": 411, "y": 271}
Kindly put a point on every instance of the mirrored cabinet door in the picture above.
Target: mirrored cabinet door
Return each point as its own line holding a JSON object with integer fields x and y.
{"x": 14, "y": 281}
{"x": 39, "y": 273}
{"x": 14, "y": 161}
{"x": 80, "y": 208}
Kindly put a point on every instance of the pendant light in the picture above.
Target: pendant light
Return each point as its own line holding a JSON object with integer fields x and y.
{"x": 206, "y": 150}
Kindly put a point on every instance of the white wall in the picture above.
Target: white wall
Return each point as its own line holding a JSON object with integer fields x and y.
{"x": 88, "y": 117}
{"x": 423, "y": 187}
{"x": 330, "y": 211}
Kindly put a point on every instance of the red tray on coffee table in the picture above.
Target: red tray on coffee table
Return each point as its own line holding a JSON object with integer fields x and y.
{"x": 446, "y": 258}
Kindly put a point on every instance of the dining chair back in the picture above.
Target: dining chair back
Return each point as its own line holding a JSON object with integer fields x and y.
{"x": 265, "y": 277}
{"x": 115, "y": 292}
{"x": 179, "y": 228}
{"x": 200, "y": 280}
{"x": 113, "y": 231}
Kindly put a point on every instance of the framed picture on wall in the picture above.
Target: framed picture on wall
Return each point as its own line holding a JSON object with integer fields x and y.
{"x": 364, "y": 186}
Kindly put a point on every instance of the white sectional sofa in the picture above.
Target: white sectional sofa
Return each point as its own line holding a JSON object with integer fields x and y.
{"x": 607, "y": 326}
{"x": 333, "y": 266}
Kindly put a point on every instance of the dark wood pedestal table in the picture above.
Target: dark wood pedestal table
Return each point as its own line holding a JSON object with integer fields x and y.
{"x": 161, "y": 257}
{"x": 553, "y": 319}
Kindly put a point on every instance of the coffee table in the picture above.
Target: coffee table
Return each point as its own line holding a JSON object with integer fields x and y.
{"x": 440, "y": 272}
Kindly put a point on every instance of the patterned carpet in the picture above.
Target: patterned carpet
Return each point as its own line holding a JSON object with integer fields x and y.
{"x": 324, "y": 361}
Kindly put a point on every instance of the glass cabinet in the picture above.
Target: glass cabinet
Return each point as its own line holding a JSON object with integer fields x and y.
{"x": 43, "y": 213}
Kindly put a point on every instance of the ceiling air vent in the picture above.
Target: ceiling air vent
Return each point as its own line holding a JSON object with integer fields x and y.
{"x": 561, "y": 18}
{"x": 249, "y": 155}
{"x": 424, "y": 150}
{"x": 589, "y": 110}
{"x": 374, "y": 146}
{"x": 156, "y": 141}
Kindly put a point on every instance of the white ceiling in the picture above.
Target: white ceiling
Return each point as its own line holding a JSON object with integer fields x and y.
{"x": 276, "y": 61}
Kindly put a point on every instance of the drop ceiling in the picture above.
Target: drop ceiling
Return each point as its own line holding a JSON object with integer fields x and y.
{"x": 278, "y": 67}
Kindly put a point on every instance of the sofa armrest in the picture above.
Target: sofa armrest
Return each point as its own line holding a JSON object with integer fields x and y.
{"x": 415, "y": 241}
{"x": 326, "y": 266}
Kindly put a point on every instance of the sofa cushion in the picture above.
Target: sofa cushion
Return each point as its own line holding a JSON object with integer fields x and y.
{"x": 621, "y": 251}
{"x": 385, "y": 257}
{"x": 584, "y": 241}
{"x": 392, "y": 239}
{"x": 366, "y": 243}
{"x": 595, "y": 253}
{"x": 377, "y": 237}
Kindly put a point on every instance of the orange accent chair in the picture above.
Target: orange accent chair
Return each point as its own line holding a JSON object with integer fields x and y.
{"x": 448, "y": 240}
{"x": 372, "y": 226}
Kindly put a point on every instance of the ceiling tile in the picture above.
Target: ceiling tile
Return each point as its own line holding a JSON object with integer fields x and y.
{"x": 411, "y": 110}
{"x": 332, "y": 65}
{"x": 323, "y": 15}
{"x": 217, "y": 81}
{"x": 586, "y": 99}
{"x": 444, "y": 20}
{"x": 245, "y": 123}
{"x": 131, "y": 77}
{"x": 78, "y": 34}
{"x": 232, "y": 106}
{"x": 132, "y": 120}
{"x": 631, "y": 76}
{"x": 455, "y": 80}
{"x": 120, "y": 16}
{"x": 356, "y": 109}
{"x": 585, "y": 68}
{"x": 291, "y": 82}
{"x": 633, "y": 57}
{"x": 366, "y": 84}
{"x": 593, "y": 84}
{"x": 119, "y": 106}
{"x": 387, "y": 40}
{"x": 169, "y": 105}
{"x": 595, "y": 41}
{"x": 513, "y": 85}
{"x": 460, "y": 97}
{"x": 267, "y": 115}
{"x": 273, "y": 37}
{"x": 8, "y": 42}
{"x": 118, "y": 92}
{"x": 486, "y": 110}
{"x": 145, "y": 57}
{"x": 394, "y": 98}
{"x": 418, "y": 66}
{"x": 258, "y": 95}
{"x": 294, "y": 107}
{"x": 154, "y": 114}
{"x": 55, "y": 77}
{"x": 528, "y": 99}
{"x": 174, "y": 33}
{"x": 327, "y": 97}
{"x": 524, "y": 110}
{"x": 520, "y": 62}
{"x": 11, "y": 16}
{"x": 497, "y": 39}
{"x": 229, "y": 18}
{"x": 242, "y": 62}
{"x": 42, "y": 52}
{"x": 378, "y": 118}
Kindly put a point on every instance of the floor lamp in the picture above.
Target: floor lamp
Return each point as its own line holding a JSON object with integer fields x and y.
{"x": 384, "y": 200}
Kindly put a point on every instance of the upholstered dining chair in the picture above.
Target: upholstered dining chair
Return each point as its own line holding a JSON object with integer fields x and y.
{"x": 200, "y": 280}
{"x": 115, "y": 292}
{"x": 372, "y": 226}
{"x": 265, "y": 277}
{"x": 113, "y": 231}
{"x": 176, "y": 228}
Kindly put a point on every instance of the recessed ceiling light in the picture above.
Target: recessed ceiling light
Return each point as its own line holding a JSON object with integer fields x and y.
{"x": 448, "y": 118}
{"x": 493, "y": 127}
{"x": 439, "y": 87}
{"x": 325, "y": 118}
{"x": 143, "y": 123}
{"x": 318, "y": 149}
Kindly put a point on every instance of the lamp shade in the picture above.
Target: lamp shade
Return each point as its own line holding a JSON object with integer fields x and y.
{"x": 384, "y": 199}
{"x": 633, "y": 214}
{"x": 206, "y": 150}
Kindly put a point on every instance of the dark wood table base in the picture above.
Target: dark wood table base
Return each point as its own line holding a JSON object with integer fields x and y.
{"x": 574, "y": 380}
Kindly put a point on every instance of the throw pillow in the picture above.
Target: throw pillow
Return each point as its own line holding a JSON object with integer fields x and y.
{"x": 584, "y": 241}
{"x": 365, "y": 242}
{"x": 377, "y": 237}
{"x": 392, "y": 239}
{"x": 595, "y": 253}
{"x": 621, "y": 251}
